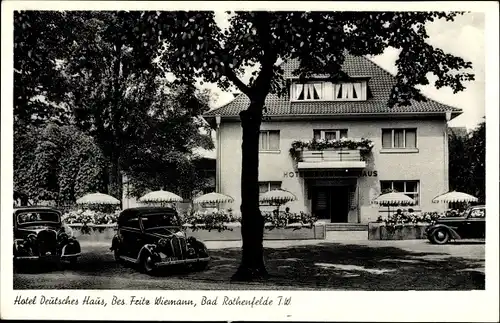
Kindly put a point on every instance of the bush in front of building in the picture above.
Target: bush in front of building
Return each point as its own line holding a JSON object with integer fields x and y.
{"x": 409, "y": 218}
{"x": 210, "y": 220}
{"x": 87, "y": 218}
{"x": 288, "y": 220}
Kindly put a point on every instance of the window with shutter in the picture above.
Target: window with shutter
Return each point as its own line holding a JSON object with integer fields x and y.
{"x": 328, "y": 91}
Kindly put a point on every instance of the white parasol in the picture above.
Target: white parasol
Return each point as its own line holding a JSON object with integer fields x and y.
{"x": 454, "y": 197}
{"x": 213, "y": 198}
{"x": 160, "y": 197}
{"x": 393, "y": 199}
{"x": 278, "y": 197}
{"x": 97, "y": 199}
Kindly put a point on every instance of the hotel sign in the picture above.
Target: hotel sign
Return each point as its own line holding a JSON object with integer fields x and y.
{"x": 330, "y": 173}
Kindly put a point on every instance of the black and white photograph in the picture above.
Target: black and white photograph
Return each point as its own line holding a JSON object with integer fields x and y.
{"x": 248, "y": 157}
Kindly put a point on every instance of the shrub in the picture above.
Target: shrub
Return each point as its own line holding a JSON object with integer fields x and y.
{"x": 395, "y": 220}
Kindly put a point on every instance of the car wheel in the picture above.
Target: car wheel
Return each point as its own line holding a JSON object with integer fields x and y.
{"x": 148, "y": 265}
{"x": 73, "y": 261}
{"x": 200, "y": 266}
{"x": 441, "y": 236}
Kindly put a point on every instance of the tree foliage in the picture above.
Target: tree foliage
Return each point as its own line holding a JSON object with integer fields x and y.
{"x": 467, "y": 162}
{"x": 57, "y": 163}
{"x": 111, "y": 87}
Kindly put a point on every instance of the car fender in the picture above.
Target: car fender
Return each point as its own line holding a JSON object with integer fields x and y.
{"x": 115, "y": 242}
{"x": 451, "y": 230}
{"x": 17, "y": 242}
{"x": 147, "y": 249}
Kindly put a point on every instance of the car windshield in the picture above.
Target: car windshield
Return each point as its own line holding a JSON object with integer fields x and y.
{"x": 33, "y": 217}
{"x": 152, "y": 221}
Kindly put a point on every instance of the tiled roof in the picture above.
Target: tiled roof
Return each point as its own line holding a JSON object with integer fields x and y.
{"x": 380, "y": 84}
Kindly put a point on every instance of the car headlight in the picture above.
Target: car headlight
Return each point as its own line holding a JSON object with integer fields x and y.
{"x": 162, "y": 243}
{"x": 62, "y": 236}
{"x": 31, "y": 239}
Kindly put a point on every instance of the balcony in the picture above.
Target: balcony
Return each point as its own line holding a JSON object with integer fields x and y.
{"x": 330, "y": 159}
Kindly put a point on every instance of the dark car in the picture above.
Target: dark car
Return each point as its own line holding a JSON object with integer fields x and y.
{"x": 40, "y": 235}
{"x": 152, "y": 237}
{"x": 470, "y": 225}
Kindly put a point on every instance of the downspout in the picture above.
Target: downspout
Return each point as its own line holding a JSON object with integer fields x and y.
{"x": 446, "y": 154}
{"x": 218, "y": 154}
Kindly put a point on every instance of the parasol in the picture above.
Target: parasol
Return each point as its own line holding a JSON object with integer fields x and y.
{"x": 160, "y": 197}
{"x": 98, "y": 199}
{"x": 213, "y": 198}
{"x": 278, "y": 196}
{"x": 454, "y": 197}
{"x": 393, "y": 199}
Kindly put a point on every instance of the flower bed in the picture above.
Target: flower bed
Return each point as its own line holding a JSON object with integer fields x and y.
{"x": 379, "y": 231}
{"x": 271, "y": 232}
{"x": 93, "y": 232}
{"x": 218, "y": 225}
{"x": 404, "y": 226}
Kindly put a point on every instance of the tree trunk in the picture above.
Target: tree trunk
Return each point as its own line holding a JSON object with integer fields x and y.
{"x": 115, "y": 178}
{"x": 252, "y": 222}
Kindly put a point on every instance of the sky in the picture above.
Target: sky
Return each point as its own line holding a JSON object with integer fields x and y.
{"x": 463, "y": 37}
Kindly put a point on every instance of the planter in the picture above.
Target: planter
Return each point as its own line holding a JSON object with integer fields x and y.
{"x": 379, "y": 231}
{"x": 317, "y": 231}
{"x": 98, "y": 232}
{"x": 105, "y": 233}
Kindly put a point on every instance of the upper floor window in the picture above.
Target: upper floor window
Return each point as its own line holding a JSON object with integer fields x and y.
{"x": 399, "y": 138}
{"x": 328, "y": 91}
{"x": 269, "y": 140}
{"x": 330, "y": 134}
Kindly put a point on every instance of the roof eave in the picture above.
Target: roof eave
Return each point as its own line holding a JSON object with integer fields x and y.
{"x": 454, "y": 114}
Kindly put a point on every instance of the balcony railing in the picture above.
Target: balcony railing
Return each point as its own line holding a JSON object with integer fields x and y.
{"x": 338, "y": 155}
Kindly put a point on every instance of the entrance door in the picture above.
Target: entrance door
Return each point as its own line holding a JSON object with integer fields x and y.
{"x": 331, "y": 203}
{"x": 339, "y": 204}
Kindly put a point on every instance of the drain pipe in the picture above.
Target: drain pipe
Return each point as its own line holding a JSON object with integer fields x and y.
{"x": 218, "y": 154}
{"x": 446, "y": 154}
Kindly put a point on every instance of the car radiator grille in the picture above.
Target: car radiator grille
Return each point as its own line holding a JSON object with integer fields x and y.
{"x": 47, "y": 242}
{"x": 178, "y": 246}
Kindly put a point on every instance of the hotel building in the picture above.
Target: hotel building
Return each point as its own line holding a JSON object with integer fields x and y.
{"x": 410, "y": 152}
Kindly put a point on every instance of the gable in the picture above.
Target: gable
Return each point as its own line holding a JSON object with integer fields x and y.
{"x": 380, "y": 84}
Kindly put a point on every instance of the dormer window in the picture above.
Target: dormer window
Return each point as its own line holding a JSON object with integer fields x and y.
{"x": 328, "y": 91}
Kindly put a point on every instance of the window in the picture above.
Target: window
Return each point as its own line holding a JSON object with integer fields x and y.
{"x": 268, "y": 186}
{"x": 409, "y": 188}
{"x": 132, "y": 223}
{"x": 269, "y": 140}
{"x": 399, "y": 138}
{"x": 333, "y": 134}
{"x": 186, "y": 195}
{"x": 328, "y": 91}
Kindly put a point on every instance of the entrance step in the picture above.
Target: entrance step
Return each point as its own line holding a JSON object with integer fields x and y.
{"x": 346, "y": 227}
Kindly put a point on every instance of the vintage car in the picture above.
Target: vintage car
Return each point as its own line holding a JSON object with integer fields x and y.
{"x": 40, "y": 235}
{"x": 470, "y": 225}
{"x": 152, "y": 237}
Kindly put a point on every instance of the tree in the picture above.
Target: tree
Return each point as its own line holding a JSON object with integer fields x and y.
{"x": 39, "y": 87}
{"x": 197, "y": 48}
{"x": 161, "y": 156}
{"x": 467, "y": 162}
{"x": 106, "y": 82}
{"x": 57, "y": 163}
